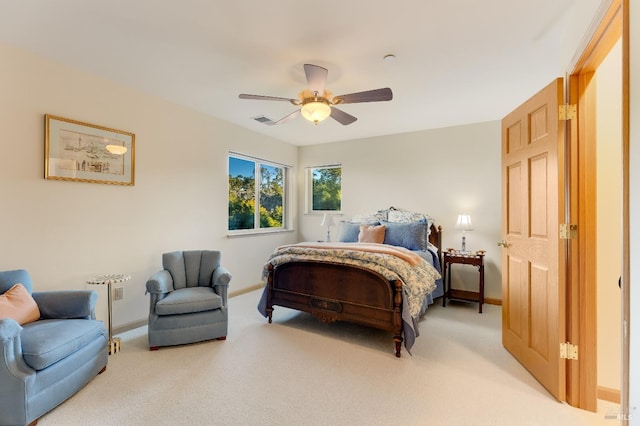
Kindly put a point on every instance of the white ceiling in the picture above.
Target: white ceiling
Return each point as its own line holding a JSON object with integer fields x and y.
{"x": 457, "y": 61}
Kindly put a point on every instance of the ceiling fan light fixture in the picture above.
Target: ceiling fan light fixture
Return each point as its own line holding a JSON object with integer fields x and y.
{"x": 316, "y": 110}
{"x": 316, "y": 103}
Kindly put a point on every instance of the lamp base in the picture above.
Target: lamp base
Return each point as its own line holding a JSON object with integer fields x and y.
{"x": 114, "y": 345}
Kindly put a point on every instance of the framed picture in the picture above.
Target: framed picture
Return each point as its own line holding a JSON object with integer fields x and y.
{"x": 85, "y": 152}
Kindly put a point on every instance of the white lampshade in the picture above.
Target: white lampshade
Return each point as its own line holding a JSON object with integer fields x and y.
{"x": 327, "y": 220}
{"x": 464, "y": 222}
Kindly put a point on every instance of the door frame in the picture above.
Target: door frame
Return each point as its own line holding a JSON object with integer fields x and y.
{"x": 611, "y": 26}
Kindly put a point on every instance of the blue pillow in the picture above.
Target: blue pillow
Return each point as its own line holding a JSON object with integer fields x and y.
{"x": 348, "y": 231}
{"x": 409, "y": 235}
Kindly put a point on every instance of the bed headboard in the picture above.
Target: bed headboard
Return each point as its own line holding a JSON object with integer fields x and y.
{"x": 435, "y": 238}
{"x": 406, "y": 216}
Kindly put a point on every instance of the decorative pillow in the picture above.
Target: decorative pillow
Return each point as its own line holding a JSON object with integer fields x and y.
{"x": 348, "y": 231}
{"x": 18, "y": 304}
{"x": 409, "y": 235}
{"x": 370, "y": 217}
{"x": 404, "y": 216}
{"x": 371, "y": 234}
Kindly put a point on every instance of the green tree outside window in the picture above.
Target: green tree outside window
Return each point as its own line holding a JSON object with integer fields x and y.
{"x": 244, "y": 189}
{"x": 326, "y": 188}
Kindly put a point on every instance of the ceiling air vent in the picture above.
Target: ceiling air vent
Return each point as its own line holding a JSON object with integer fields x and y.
{"x": 265, "y": 120}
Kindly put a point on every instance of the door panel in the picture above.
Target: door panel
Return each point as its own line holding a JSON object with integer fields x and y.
{"x": 533, "y": 284}
{"x": 539, "y": 295}
{"x": 538, "y": 197}
{"x": 514, "y": 298}
{"x": 514, "y": 216}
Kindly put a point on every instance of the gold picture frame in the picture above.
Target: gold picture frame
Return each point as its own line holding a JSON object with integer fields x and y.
{"x": 83, "y": 152}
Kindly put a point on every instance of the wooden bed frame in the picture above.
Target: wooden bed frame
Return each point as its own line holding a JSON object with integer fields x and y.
{"x": 336, "y": 292}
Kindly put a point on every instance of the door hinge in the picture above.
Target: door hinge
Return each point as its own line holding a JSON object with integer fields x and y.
{"x": 568, "y": 351}
{"x": 567, "y": 112}
{"x": 568, "y": 231}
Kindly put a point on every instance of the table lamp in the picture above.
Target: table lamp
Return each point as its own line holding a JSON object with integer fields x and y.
{"x": 464, "y": 223}
{"x": 327, "y": 220}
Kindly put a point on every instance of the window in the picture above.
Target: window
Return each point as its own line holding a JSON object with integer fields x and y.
{"x": 324, "y": 188}
{"x": 244, "y": 190}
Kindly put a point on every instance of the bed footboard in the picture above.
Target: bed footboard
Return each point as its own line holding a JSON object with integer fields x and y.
{"x": 336, "y": 292}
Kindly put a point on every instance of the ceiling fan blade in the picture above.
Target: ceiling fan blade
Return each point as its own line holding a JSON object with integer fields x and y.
{"x": 375, "y": 95}
{"x": 266, "y": 98}
{"x": 342, "y": 117}
{"x": 288, "y": 117}
{"x": 316, "y": 78}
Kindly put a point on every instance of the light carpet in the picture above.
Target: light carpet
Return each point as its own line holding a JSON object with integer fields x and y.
{"x": 300, "y": 371}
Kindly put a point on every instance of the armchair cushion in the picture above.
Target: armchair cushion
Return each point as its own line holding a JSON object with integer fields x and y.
{"x": 48, "y": 341}
{"x": 189, "y": 300}
{"x": 18, "y": 304}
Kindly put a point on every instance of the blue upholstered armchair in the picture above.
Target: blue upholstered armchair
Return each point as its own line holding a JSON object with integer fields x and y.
{"x": 188, "y": 299}
{"x": 44, "y": 362}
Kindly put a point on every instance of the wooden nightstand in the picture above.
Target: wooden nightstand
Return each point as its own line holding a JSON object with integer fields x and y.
{"x": 474, "y": 259}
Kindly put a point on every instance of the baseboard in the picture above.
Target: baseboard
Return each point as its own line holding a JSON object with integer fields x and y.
{"x": 492, "y": 301}
{"x": 246, "y": 290}
{"x": 473, "y": 295}
{"x": 129, "y": 326}
{"x": 608, "y": 394}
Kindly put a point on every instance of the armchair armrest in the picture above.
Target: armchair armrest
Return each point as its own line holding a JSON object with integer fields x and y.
{"x": 220, "y": 282}
{"x": 16, "y": 377}
{"x": 66, "y": 304}
{"x": 9, "y": 330}
{"x": 221, "y": 277}
{"x": 13, "y": 368}
{"x": 159, "y": 283}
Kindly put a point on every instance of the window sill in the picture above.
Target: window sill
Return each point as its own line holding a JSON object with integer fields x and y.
{"x": 255, "y": 232}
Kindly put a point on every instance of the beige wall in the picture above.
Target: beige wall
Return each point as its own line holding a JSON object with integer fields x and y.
{"x": 442, "y": 172}
{"x": 66, "y": 232}
{"x": 608, "y": 81}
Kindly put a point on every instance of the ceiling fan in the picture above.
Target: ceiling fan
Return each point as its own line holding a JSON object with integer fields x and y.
{"x": 316, "y": 103}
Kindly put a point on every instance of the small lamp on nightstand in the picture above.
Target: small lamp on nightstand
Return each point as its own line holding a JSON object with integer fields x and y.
{"x": 464, "y": 223}
{"x": 327, "y": 220}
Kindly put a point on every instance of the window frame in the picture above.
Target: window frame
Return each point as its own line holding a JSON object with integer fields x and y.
{"x": 309, "y": 189}
{"x": 258, "y": 163}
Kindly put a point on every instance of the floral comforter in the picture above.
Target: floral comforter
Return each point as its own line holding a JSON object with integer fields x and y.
{"x": 418, "y": 277}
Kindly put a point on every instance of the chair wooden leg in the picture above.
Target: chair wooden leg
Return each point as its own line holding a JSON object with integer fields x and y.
{"x": 103, "y": 370}
{"x": 154, "y": 348}
{"x": 34, "y": 423}
{"x": 221, "y": 338}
